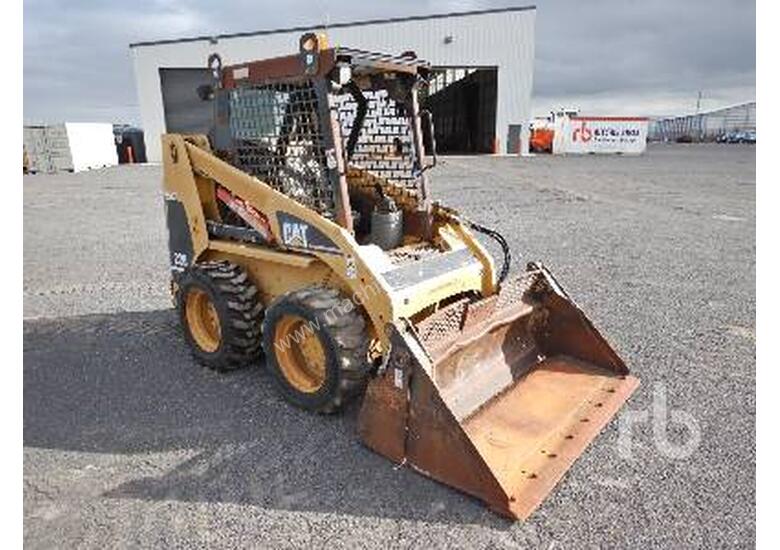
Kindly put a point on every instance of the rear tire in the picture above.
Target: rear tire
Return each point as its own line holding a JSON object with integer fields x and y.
{"x": 220, "y": 314}
{"x": 316, "y": 348}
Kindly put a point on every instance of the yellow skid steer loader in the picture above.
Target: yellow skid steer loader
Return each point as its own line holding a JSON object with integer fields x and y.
{"x": 302, "y": 224}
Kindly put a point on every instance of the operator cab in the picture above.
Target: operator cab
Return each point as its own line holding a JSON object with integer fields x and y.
{"x": 337, "y": 129}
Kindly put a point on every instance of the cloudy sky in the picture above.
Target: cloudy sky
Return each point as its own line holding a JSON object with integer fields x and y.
{"x": 648, "y": 57}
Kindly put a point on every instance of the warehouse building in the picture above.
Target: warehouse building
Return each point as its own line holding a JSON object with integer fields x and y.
{"x": 706, "y": 126}
{"x": 480, "y": 94}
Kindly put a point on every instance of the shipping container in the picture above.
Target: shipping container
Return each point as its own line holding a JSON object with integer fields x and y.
{"x": 578, "y": 134}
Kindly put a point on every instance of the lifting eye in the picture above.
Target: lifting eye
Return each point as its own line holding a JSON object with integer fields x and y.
{"x": 214, "y": 64}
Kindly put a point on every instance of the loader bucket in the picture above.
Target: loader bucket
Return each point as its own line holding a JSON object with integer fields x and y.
{"x": 496, "y": 397}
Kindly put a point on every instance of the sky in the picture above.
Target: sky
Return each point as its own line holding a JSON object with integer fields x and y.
{"x": 629, "y": 57}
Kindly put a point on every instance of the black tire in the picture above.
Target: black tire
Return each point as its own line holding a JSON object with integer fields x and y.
{"x": 235, "y": 300}
{"x": 341, "y": 331}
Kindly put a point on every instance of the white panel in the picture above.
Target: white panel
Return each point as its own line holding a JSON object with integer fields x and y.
{"x": 92, "y": 145}
{"x": 498, "y": 39}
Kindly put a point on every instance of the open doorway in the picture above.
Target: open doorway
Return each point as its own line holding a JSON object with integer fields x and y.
{"x": 463, "y": 103}
{"x": 185, "y": 112}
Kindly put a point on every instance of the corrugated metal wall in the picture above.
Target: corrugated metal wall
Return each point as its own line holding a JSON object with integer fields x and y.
{"x": 502, "y": 39}
{"x": 705, "y": 126}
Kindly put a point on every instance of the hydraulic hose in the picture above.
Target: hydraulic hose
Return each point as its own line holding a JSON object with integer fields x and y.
{"x": 499, "y": 238}
{"x": 506, "y": 263}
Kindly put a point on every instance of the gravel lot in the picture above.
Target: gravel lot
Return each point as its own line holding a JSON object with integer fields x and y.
{"x": 129, "y": 443}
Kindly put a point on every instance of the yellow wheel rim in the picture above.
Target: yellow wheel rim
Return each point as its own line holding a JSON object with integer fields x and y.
{"x": 203, "y": 320}
{"x": 300, "y": 354}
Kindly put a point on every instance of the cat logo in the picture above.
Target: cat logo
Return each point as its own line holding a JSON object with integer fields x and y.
{"x": 295, "y": 234}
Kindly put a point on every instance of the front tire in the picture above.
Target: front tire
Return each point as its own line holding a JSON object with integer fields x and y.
{"x": 316, "y": 348}
{"x": 220, "y": 314}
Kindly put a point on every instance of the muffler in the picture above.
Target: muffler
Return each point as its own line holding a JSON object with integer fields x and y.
{"x": 496, "y": 397}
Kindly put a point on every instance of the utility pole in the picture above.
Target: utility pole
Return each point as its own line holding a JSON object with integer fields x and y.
{"x": 698, "y": 117}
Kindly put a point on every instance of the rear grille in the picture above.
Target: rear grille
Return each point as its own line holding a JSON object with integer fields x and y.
{"x": 384, "y": 145}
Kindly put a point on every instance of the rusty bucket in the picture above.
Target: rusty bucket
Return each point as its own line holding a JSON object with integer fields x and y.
{"x": 496, "y": 397}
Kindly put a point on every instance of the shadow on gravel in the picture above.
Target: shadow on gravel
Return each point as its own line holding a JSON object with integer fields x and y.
{"x": 125, "y": 384}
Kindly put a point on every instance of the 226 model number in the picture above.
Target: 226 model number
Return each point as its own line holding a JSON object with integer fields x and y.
{"x": 179, "y": 261}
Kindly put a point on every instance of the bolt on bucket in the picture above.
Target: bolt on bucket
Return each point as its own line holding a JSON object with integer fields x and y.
{"x": 497, "y": 397}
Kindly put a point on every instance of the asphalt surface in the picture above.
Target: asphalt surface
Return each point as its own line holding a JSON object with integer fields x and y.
{"x": 128, "y": 443}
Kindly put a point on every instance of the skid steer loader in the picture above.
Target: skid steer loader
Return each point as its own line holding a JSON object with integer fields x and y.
{"x": 302, "y": 226}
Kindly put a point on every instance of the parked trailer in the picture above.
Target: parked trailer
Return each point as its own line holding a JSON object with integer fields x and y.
{"x": 69, "y": 147}
{"x": 578, "y": 134}
{"x": 130, "y": 146}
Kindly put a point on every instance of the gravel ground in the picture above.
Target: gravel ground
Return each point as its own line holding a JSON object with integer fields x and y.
{"x": 128, "y": 443}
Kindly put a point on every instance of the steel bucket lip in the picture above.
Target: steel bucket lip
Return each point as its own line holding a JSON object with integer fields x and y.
{"x": 536, "y": 470}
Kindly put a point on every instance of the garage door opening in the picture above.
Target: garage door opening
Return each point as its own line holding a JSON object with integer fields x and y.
{"x": 463, "y": 104}
{"x": 185, "y": 112}
{"x": 462, "y": 101}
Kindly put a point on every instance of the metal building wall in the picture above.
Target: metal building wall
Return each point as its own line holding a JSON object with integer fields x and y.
{"x": 491, "y": 38}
